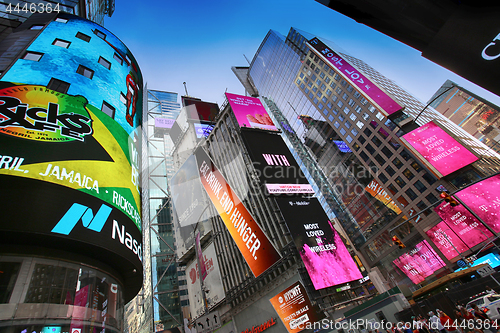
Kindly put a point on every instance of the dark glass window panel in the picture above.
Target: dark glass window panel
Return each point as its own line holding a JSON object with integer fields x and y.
{"x": 420, "y": 186}
{"x": 400, "y": 182}
{"x": 409, "y": 192}
{"x": 408, "y": 174}
{"x": 390, "y": 171}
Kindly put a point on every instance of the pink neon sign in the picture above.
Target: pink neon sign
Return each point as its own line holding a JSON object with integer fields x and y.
{"x": 387, "y": 105}
{"x": 438, "y": 149}
{"x": 250, "y": 112}
{"x": 420, "y": 262}
{"x": 446, "y": 240}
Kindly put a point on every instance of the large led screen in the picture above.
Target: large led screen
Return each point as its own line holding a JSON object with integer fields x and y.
{"x": 386, "y": 104}
{"x": 254, "y": 245}
{"x": 446, "y": 240}
{"x": 463, "y": 223}
{"x": 484, "y": 199}
{"x": 199, "y": 110}
{"x": 381, "y": 195}
{"x": 419, "y": 263}
{"x": 250, "y": 112}
{"x": 277, "y": 169}
{"x": 295, "y": 309}
{"x": 437, "y": 149}
{"x": 319, "y": 244}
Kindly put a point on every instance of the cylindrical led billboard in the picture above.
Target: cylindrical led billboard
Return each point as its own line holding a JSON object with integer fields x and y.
{"x": 70, "y": 147}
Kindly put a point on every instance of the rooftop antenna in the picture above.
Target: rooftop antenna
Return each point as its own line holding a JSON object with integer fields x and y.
{"x": 185, "y": 88}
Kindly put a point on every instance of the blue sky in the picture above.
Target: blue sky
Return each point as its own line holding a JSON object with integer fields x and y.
{"x": 197, "y": 42}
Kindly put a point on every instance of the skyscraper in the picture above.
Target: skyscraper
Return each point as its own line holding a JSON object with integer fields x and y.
{"x": 333, "y": 101}
{"x": 479, "y": 117}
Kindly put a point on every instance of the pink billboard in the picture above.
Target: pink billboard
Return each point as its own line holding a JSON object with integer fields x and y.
{"x": 463, "y": 223}
{"x": 319, "y": 244}
{"x": 250, "y": 112}
{"x": 437, "y": 149}
{"x": 483, "y": 198}
{"x": 420, "y": 262}
{"x": 446, "y": 240}
{"x": 385, "y": 103}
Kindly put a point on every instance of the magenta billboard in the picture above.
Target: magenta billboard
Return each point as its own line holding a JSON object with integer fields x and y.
{"x": 446, "y": 240}
{"x": 420, "y": 262}
{"x": 385, "y": 103}
{"x": 319, "y": 244}
{"x": 463, "y": 223}
{"x": 483, "y": 198}
{"x": 250, "y": 112}
{"x": 437, "y": 149}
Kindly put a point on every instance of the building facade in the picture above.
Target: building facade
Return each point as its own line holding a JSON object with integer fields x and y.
{"x": 474, "y": 114}
{"x": 71, "y": 239}
{"x": 377, "y": 180}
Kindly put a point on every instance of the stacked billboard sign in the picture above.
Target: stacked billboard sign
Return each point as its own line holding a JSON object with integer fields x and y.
{"x": 319, "y": 244}
{"x": 381, "y": 99}
{"x": 460, "y": 230}
{"x": 257, "y": 250}
{"x": 438, "y": 149}
{"x": 276, "y": 167}
{"x": 420, "y": 262}
{"x": 295, "y": 309}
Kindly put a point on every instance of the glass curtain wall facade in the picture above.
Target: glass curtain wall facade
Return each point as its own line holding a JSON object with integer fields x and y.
{"x": 164, "y": 282}
{"x": 323, "y": 108}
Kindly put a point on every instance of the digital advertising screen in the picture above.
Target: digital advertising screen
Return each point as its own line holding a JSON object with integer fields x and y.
{"x": 483, "y": 198}
{"x": 256, "y": 248}
{"x": 203, "y": 130}
{"x": 446, "y": 240}
{"x": 250, "y": 112}
{"x": 422, "y": 261}
{"x": 295, "y": 309}
{"x": 343, "y": 147}
{"x": 381, "y": 195}
{"x": 164, "y": 122}
{"x": 277, "y": 169}
{"x": 463, "y": 223}
{"x": 437, "y": 149}
{"x": 385, "y": 103}
{"x": 319, "y": 244}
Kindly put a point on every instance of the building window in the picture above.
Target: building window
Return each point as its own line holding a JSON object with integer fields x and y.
{"x": 36, "y": 27}
{"x": 392, "y": 188}
{"x": 428, "y": 178}
{"x": 347, "y": 124}
{"x": 363, "y": 156}
{"x": 383, "y": 178}
{"x": 58, "y": 85}
{"x": 85, "y": 71}
{"x": 402, "y": 200}
{"x": 397, "y": 163}
{"x": 367, "y": 132}
{"x": 33, "y": 56}
{"x": 100, "y": 34}
{"x": 83, "y": 37}
{"x": 390, "y": 171}
{"x": 387, "y": 152}
{"x": 118, "y": 58}
{"x": 408, "y": 174}
{"x": 336, "y": 123}
{"x": 421, "y": 205}
{"x": 420, "y": 186}
{"x": 361, "y": 139}
{"x": 370, "y": 149}
{"x": 400, "y": 182}
{"x": 61, "y": 20}
{"x": 416, "y": 166}
{"x": 376, "y": 141}
{"x": 62, "y": 43}
{"x": 348, "y": 138}
{"x": 104, "y": 62}
{"x": 409, "y": 192}
{"x": 380, "y": 159}
{"x": 108, "y": 109}
{"x": 431, "y": 198}
{"x": 342, "y": 131}
{"x": 360, "y": 124}
{"x": 354, "y": 132}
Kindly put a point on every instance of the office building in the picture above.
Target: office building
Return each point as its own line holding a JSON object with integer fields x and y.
{"x": 479, "y": 117}
{"x": 333, "y": 102}
{"x": 71, "y": 240}
{"x": 13, "y": 13}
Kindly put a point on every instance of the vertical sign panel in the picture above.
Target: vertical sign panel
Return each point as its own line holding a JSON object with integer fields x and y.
{"x": 258, "y": 251}
{"x": 446, "y": 240}
{"x": 319, "y": 244}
